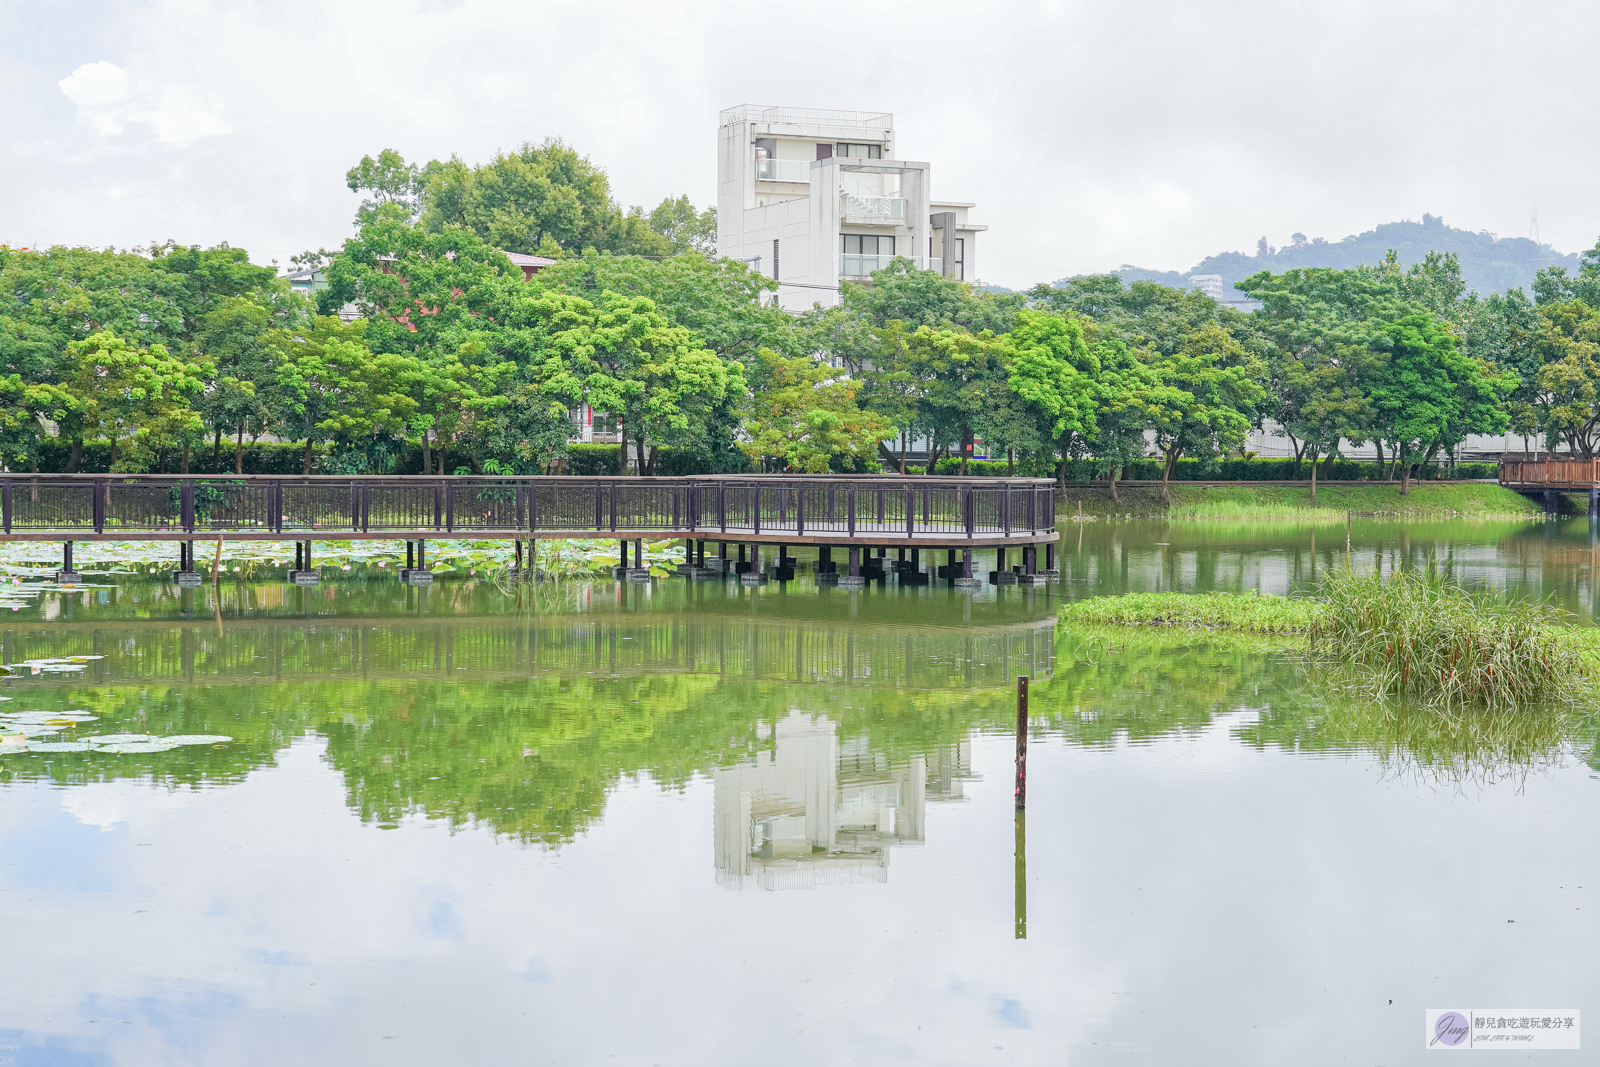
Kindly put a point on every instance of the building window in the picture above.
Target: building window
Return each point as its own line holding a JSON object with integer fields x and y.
{"x": 866, "y": 244}
{"x": 858, "y": 151}
{"x": 961, "y": 258}
{"x": 775, "y": 275}
{"x": 824, "y": 151}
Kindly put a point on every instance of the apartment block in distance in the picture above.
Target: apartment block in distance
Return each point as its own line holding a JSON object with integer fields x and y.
{"x": 809, "y": 197}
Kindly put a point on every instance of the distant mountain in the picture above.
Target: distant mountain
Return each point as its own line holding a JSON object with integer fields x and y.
{"x": 1488, "y": 264}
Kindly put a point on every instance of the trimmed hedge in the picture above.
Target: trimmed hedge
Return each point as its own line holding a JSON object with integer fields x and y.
{"x": 1227, "y": 470}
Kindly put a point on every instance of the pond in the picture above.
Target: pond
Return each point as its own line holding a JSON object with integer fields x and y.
{"x": 673, "y": 823}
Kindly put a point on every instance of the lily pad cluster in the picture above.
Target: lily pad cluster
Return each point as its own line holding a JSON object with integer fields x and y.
{"x": 59, "y": 731}
{"x": 48, "y": 665}
{"x": 25, "y": 561}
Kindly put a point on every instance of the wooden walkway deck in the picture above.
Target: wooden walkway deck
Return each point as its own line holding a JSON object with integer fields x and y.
{"x": 835, "y": 510}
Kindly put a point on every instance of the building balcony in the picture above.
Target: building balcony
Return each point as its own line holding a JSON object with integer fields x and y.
{"x": 853, "y": 266}
{"x": 783, "y": 170}
{"x": 880, "y": 210}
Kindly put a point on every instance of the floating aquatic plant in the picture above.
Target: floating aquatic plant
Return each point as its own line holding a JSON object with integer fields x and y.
{"x": 35, "y": 731}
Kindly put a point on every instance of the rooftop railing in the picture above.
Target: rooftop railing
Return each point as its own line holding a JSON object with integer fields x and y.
{"x": 783, "y": 170}
{"x": 806, "y": 116}
{"x": 889, "y": 209}
{"x": 853, "y": 266}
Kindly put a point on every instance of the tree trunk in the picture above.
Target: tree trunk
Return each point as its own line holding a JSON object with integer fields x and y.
{"x": 641, "y": 457}
{"x": 1299, "y": 449}
{"x": 966, "y": 449}
{"x": 1405, "y": 473}
{"x": 1313, "y": 454}
{"x": 933, "y": 458}
{"x": 185, "y": 469}
{"x": 1112, "y": 478}
{"x": 307, "y": 468}
{"x": 622, "y": 448}
{"x": 111, "y": 463}
{"x": 1378, "y": 445}
{"x": 75, "y": 457}
{"x": 905, "y": 445}
{"x": 238, "y": 451}
{"x": 1166, "y": 473}
{"x": 1011, "y": 462}
{"x": 216, "y": 450}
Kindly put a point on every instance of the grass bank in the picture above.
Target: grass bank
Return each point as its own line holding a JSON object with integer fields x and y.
{"x": 1481, "y": 500}
{"x": 1414, "y": 636}
{"x": 1238, "y": 612}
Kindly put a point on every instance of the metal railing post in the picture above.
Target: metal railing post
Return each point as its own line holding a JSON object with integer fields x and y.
{"x": 972, "y": 510}
{"x": 755, "y": 518}
{"x": 186, "y": 505}
{"x": 613, "y": 507}
{"x": 449, "y": 506}
{"x": 722, "y": 506}
{"x": 438, "y": 504}
{"x": 5, "y": 504}
{"x": 691, "y": 494}
{"x": 99, "y": 508}
{"x": 800, "y": 510}
{"x": 911, "y": 511}
{"x": 850, "y": 520}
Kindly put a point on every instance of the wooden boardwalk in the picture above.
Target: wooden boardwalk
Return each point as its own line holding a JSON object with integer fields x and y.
{"x": 805, "y": 510}
{"x": 1551, "y": 476}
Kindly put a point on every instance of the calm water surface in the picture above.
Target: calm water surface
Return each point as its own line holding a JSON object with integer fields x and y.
{"x": 695, "y": 824}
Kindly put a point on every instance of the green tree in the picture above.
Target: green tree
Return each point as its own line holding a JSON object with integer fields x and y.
{"x": 950, "y": 379}
{"x": 1055, "y": 376}
{"x": 903, "y": 292}
{"x": 543, "y": 199}
{"x": 138, "y": 397}
{"x": 1216, "y": 388}
{"x": 618, "y": 355}
{"x": 1426, "y": 394}
{"x": 804, "y": 414}
{"x": 388, "y": 179}
{"x": 335, "y": 389}
{"x": 685, "y": 229}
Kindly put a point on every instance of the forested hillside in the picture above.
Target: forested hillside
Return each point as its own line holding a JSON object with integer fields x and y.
{"x": 1488, "y": 264}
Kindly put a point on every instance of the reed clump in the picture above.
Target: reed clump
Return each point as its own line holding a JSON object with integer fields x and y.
{"x": 1240, "y": 612}
{"x": 1416, "y": 635}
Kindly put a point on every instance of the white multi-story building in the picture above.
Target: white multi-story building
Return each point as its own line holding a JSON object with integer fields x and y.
{"x": 809, "y": 197}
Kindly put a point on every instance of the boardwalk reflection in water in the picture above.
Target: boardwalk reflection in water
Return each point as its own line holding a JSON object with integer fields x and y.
{"x": 525, "y": 723}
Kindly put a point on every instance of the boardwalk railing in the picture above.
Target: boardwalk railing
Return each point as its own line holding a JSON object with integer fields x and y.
{"x": 1537, "y": 472}
{"x": 806, "y": 507}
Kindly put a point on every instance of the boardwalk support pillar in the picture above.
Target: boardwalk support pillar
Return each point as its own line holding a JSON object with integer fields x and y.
{"x": 965, "y": 580}
{"x": 419, "y": 574}
{"x": 304, "y": 573}
{"x": 67, "y": 575}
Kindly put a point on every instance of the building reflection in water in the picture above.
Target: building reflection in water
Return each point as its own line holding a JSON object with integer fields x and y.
{"x": 816, "y": 811}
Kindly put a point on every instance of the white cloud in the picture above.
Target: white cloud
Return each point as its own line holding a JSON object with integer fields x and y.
{"x": 1089, "y": 134}
{"x": 110, "y": 100}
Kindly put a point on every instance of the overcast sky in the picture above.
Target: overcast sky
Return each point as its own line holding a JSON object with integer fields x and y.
{"x": 1090, "y": 134}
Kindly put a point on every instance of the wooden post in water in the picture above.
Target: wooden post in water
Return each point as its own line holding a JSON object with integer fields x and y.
{"x": 1020, "y": 816}
{"x": 1020, "y": 833}
{"x": 1022, "y": 742}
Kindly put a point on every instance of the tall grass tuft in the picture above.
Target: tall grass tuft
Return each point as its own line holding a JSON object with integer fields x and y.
{"x": 1417, "y": 635}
